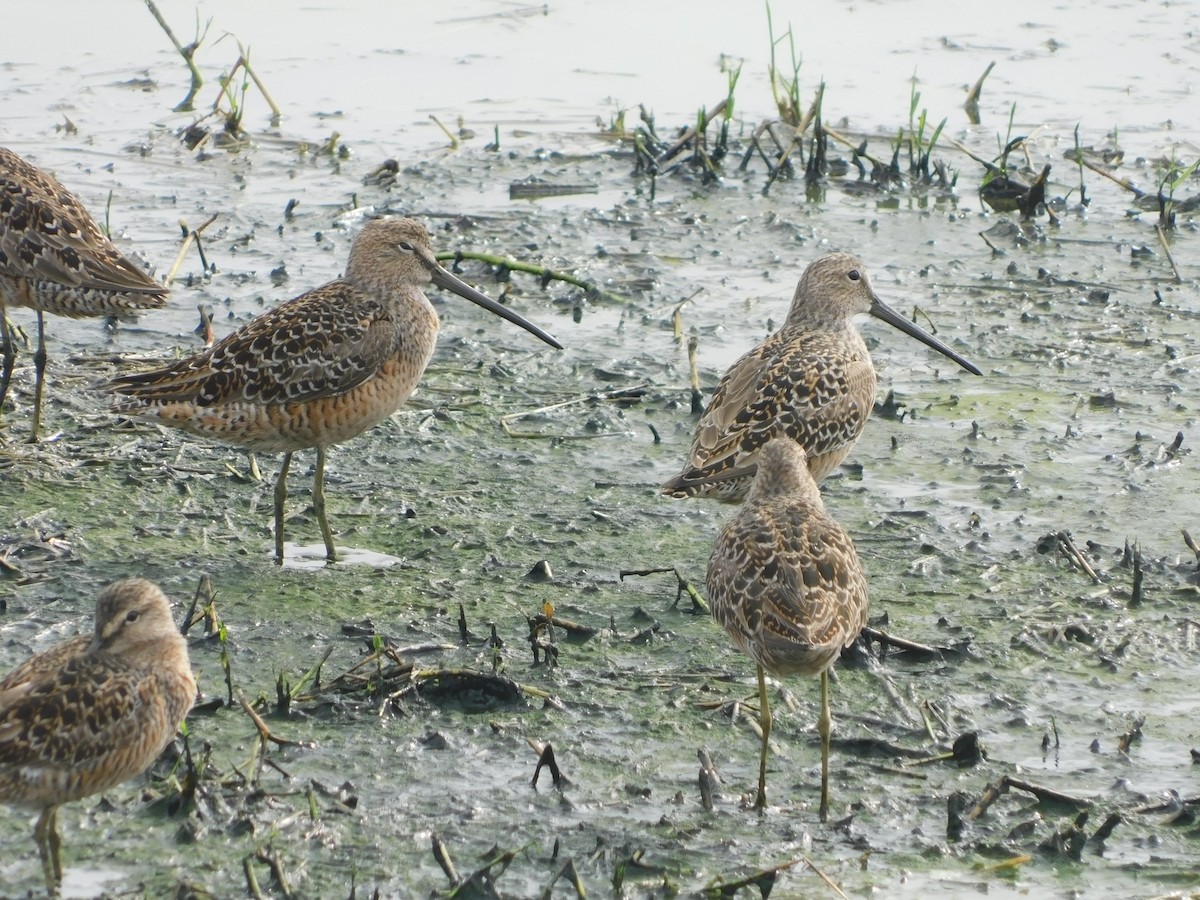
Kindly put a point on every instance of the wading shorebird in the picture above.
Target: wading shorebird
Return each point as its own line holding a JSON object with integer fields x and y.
{"x": 94, "y": 711}
{"x": 318, "y": 369}
{"x": 811, "y": 381}
{"x": 785, "y": 582}
{"x": 55, "y": 259}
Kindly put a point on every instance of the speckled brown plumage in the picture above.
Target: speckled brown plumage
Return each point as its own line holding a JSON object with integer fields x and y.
{"x": 318, "y": 369}
{"x": 785, "y": 582}
{"x": 93, "y": 711}
{"x": 812, "y": 380}
{"x": 55, "y": 259}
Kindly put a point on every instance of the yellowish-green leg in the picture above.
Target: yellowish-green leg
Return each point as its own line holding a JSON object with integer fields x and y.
{"x": 8, "y": 354}
{"x": 45, "y": 834}
{"x": 39, "y": 368}
{"x": 280, "y": 498}
{"x": 319, "y": 505}
{"x": 764, "y": 721}
{"x": 824, "y": 727}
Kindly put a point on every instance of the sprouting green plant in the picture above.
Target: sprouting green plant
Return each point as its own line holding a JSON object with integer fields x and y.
{"x": 1173, "y": 179}
{"x": 1008, "y": 145}
{"x": 732, "y": 75}
{"x": 785, "y": 90}
{"x": 914, "y": 99}
{"x": 237, "y": 105}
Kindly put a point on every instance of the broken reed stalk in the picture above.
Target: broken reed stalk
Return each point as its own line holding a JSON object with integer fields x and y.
{"x": 203, "y": 589}
{"x": 1191, "y": 544}
{"x": 708, "y": 779}
{"x": 691, "y": 132}
{"x": 677, "y": 313}
{"x": 618, "y": 395}
{"x": 971, "y": 104}
{"x": 890, "y": 640}
{"x": 244, "y": 60}
{"x": 994, "y": 792}
{"x": 1121, "y": 182}
{"x": 682, "y": 586}
{"x": 1162, "y": 240}
{"x": 694, "y": 375}
{"x": 450, "y": 136}
{"x": 1068, "y": 548}
{"x": 190, "y": 236}
{"x": 508, "y": 264}
{"x": 1135, "y": 597}
{"x": 188, "y": 53}
{"x": 859, "y": 148}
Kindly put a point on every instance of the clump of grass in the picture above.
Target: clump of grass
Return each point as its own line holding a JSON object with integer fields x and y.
{"x": 920, "y": 151}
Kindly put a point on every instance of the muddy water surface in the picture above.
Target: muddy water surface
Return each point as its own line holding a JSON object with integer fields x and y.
{"x": 1086, "y": 339}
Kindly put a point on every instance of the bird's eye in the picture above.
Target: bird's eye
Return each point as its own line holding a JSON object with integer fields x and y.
{"x": 406, "y": 246}
{"x": 132, "y": 616}
{"x": 853, "y": 275}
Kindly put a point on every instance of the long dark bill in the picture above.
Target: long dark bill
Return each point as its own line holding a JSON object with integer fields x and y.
{"x": 445, "y": 279}
{"x": 881, "y": 310}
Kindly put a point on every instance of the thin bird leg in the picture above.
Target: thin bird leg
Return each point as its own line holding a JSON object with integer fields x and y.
{"x": 39, "y": 368}
{"x": 280, "y": 497}
{"x": 824, "y": 726}
{"x": 8, "y": 351}
{"x": 318, "y": 498}
{"x": 55, "y": 840}
{"x": 45, "y": 834}
{"x": 764, "y": 721}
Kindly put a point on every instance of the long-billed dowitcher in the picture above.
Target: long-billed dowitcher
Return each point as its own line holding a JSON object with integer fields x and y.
{"x": 812, "y": 380}
{"x": 55, "y": 259}
{"x": 93, "y": 711}
{"x": 320, "y": 368}
{"x": 785, "y": 582}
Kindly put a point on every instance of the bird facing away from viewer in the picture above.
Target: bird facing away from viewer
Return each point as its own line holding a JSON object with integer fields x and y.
{"x": 55, "y": 259}
{"x": 93, "y": 711}
{"x": 811, "y": 381}
{"x": 785, "y": 582}
{"x": 318, "y": 369}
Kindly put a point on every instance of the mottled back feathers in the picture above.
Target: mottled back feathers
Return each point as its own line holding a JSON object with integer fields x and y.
{"x": 784, "y": 579}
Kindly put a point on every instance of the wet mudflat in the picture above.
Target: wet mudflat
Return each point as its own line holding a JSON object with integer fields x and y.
{"x": 435, "y": 697}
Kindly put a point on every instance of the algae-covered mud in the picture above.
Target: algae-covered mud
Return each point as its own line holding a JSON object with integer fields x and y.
{"x": 510, "y": 687}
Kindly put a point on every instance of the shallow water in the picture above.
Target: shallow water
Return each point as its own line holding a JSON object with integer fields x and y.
{"x": 1066, "y": 430}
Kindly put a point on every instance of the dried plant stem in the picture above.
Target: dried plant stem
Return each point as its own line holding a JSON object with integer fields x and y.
{"x": 188, "y": 53}
{"x": 514, "y": 265}
{"x": 190, "y": 236}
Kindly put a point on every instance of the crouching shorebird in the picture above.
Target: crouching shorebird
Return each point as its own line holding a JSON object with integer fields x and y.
{"x": 785, "y": 582}
{"x": 811, "y": 381}
{"x": 94, "y": 711}
{"x": 318, "y": 369}
{"x": 54, "y": 259}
